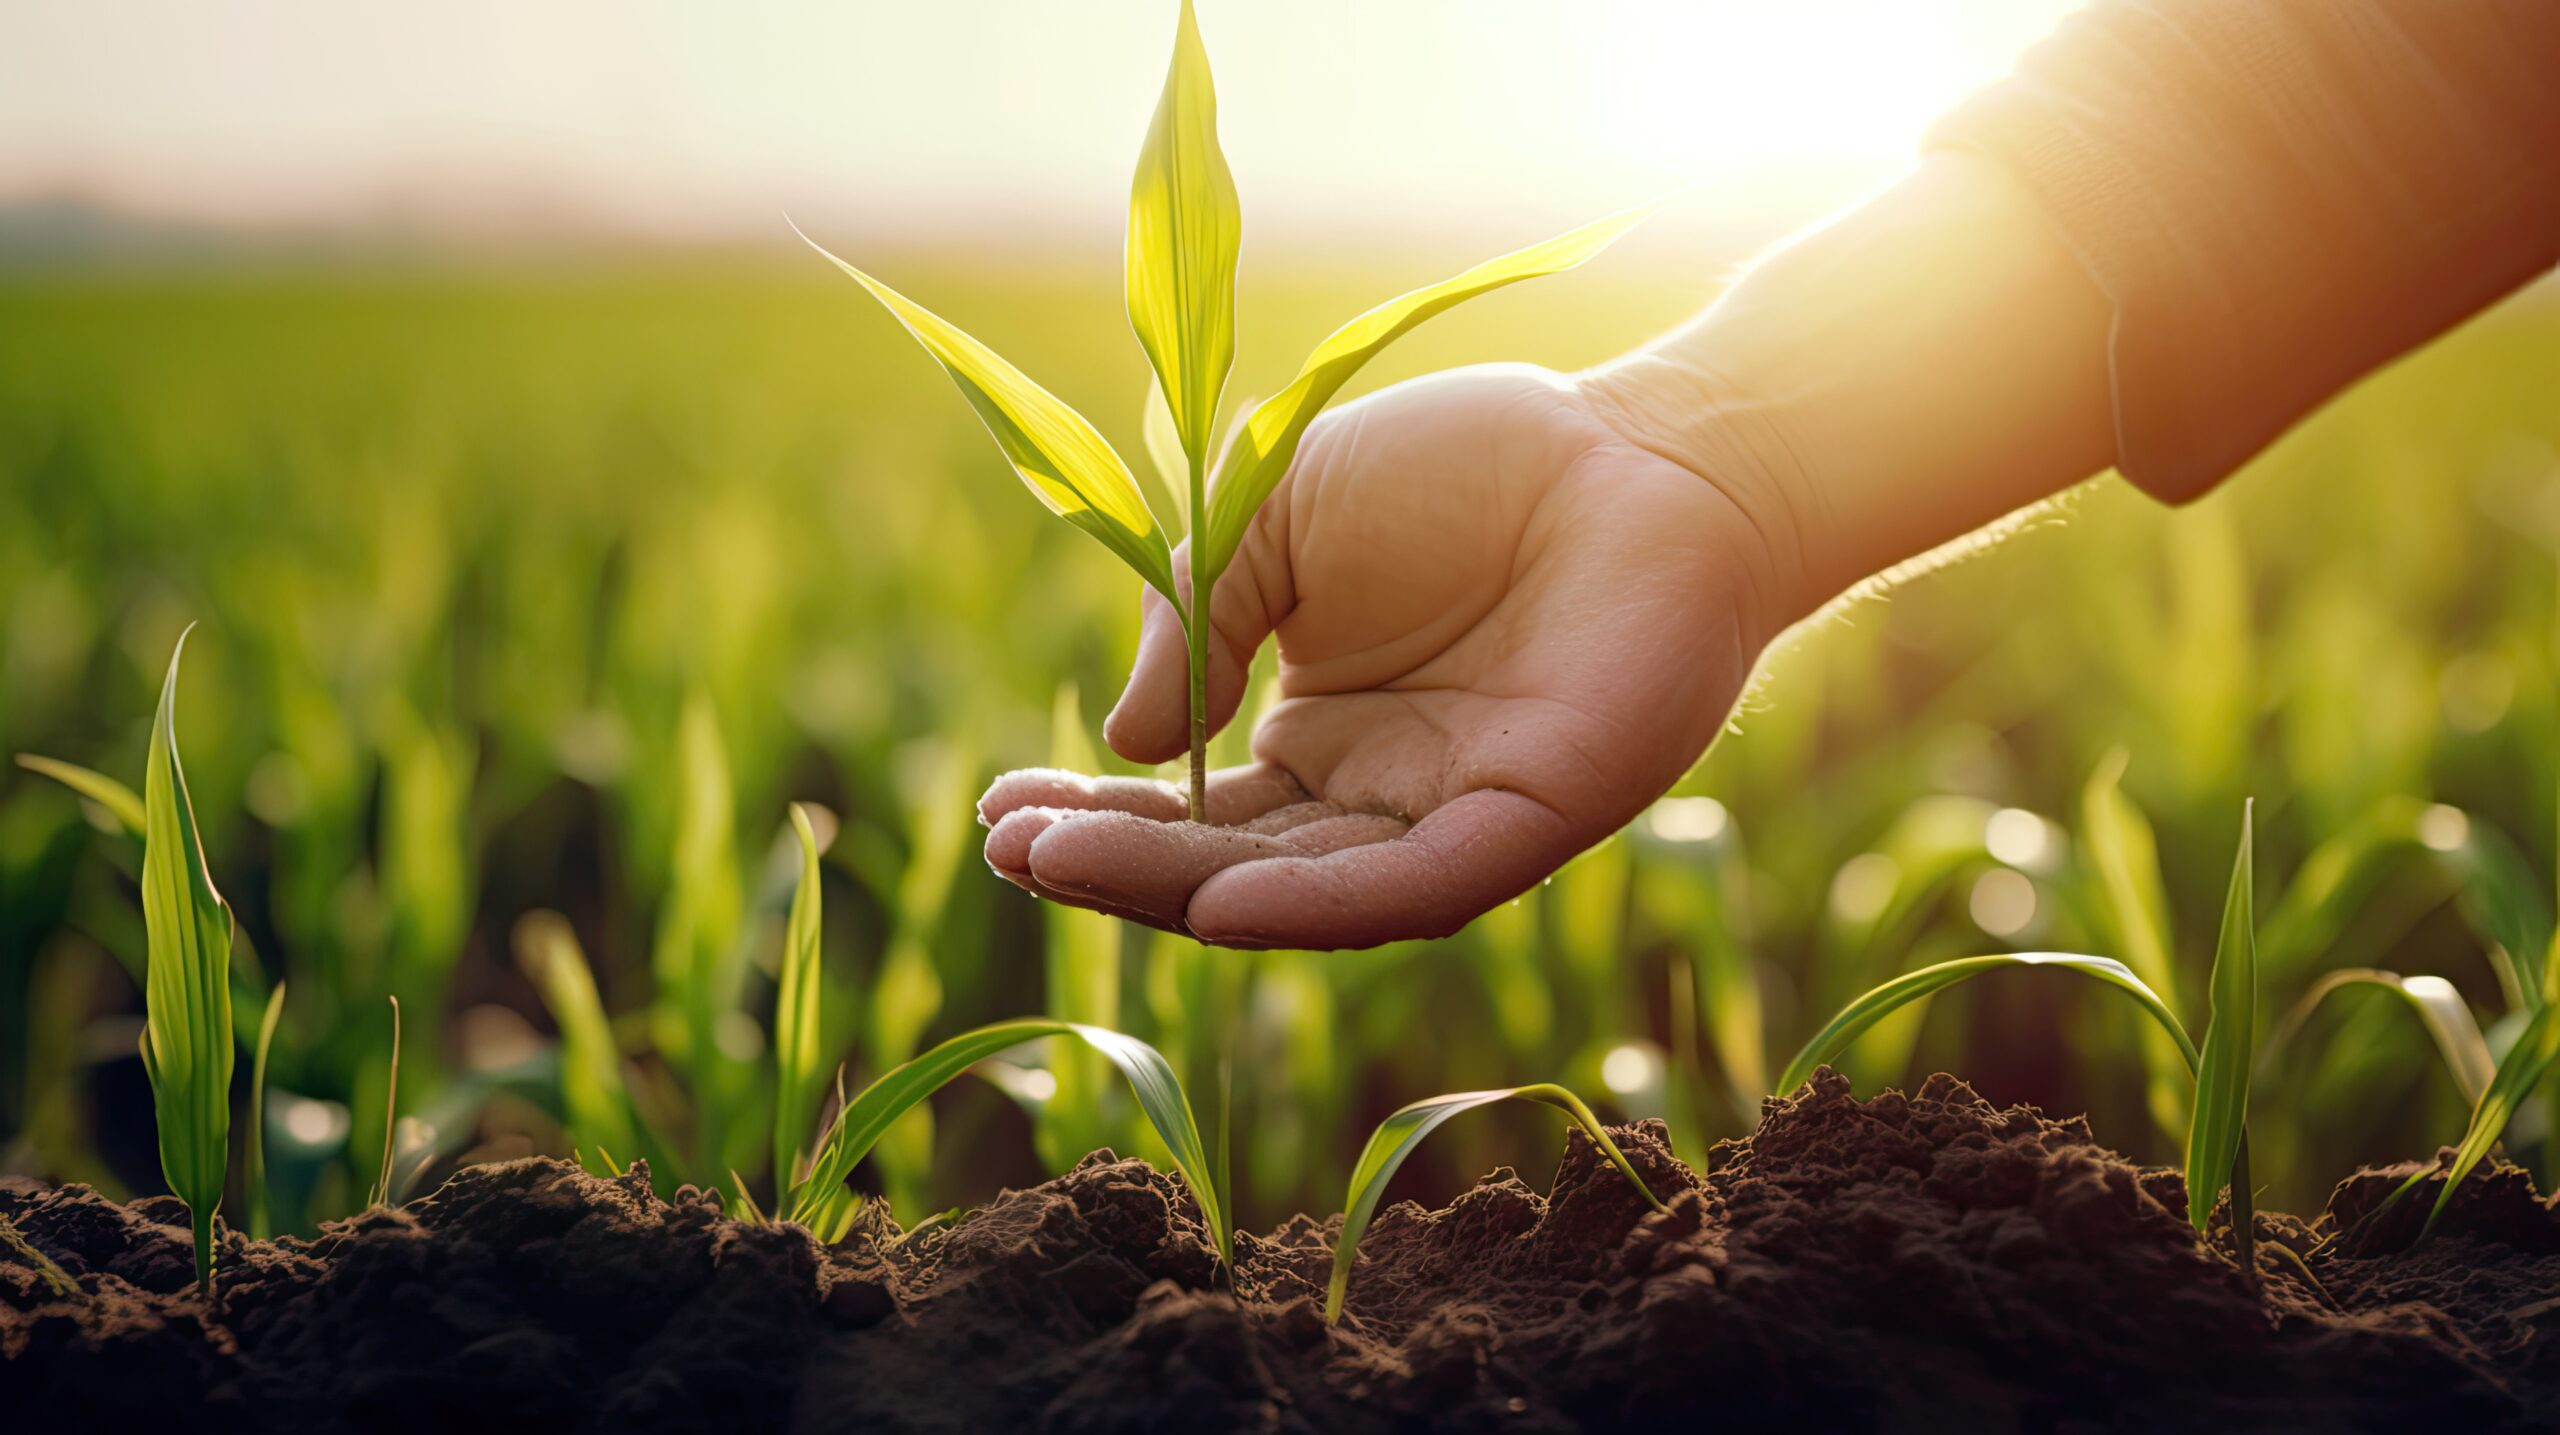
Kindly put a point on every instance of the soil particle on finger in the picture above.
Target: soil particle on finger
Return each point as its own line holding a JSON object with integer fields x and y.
{"x": 1921, "y": 1261}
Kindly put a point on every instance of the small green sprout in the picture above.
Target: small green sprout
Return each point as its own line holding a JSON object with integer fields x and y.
{"x": 186, "y": 1038}
{"x": 2217, "y": 1133}
{"x": 1184, "y": 235}
{"x": 261, "y": 1214}
{"x": 380, "y": 1195}
{"x": 594, "y": 1101}
{"x": 795, "y": 1016}
{"x": 859, "y": 1124}
{"x": 48, "y": 1269}
{"x": 1903, "y": 990}
{"x": 1395, "y": 1139}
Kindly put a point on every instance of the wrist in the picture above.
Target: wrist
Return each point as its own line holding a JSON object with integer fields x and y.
{"x": 1671, "y": 403}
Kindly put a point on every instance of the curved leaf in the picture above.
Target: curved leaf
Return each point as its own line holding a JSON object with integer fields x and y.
{"x": 1258, "y": 458}
{"x": 1395, "y": 1139}
{"x": 1184, "y": 230}
{"x": 2526, "y": 1063}
{"x": 859, "y": 1125}
{"x": 99, "y": 788}
{"x": 795, "y": 1015}
{"x": 2447, "y": 1017}
{"x": 1881, "y": 1002}
{"x": 2122, "y": 848}
{"x": 187, "y": 1037}
{"x": 1057, "y": 453}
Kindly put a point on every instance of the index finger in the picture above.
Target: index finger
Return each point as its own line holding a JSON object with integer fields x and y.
{"x": 1468, "y": 857}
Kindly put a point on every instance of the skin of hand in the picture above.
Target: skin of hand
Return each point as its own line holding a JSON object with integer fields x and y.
{"x": 1504, "y": 628}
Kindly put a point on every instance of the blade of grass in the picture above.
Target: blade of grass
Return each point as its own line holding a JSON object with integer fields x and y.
{"x": 2439, "y": 1007}
{"x": 1259, "y": 457}
{"x": 860, "y": 1123}
{"x": 187, "y": 1038}
{"x": 380, "y": 1195}
{"x": 594, "y": 1102}
{"x": 797, "y": 1069}
{"x": 2127, "y": 858}
{"x": 56, "y": 1279}
{"x": 1053, "y": 449}
{"x": 261, "y": 1218}
{"x": 2533, "y": 1056}
{"x": 118, "y": 799}
{"x": 1395, "y": 1139}
{"x": 2217, "y": 1133}
{"x": 1882, "y": 1001}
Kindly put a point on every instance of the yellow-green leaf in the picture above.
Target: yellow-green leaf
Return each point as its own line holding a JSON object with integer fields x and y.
{"x": 1259, "y": 457}
{"x": 99, "y": 788}
{"x": 1395, "y": 1139}
{"x": 795, "y": 1016}
{"x": 187, "y": 1038}
{"x": 1884, "y": 1000}
{"x": 1057, "y": 453}
{"x": 2215, "y": 1132}
{"x": 1184, "y": 230}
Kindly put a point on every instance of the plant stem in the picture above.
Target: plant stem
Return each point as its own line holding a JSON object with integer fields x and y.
{"x": 1196, "y": 628}
{"x": 203, "y": 1216}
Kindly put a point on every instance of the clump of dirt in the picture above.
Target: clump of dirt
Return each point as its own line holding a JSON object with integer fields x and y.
{"x": 1921, "y": 1262}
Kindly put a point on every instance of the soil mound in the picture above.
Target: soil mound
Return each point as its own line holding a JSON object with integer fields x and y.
{"x": 1907, "y": 1262}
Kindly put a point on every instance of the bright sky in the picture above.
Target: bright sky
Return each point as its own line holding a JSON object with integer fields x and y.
{"x": 987, "y": 121}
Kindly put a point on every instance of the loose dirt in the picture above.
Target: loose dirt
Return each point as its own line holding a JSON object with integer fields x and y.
{"x": 1910, "y": 1262}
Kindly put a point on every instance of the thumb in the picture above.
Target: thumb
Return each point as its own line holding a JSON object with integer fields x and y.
{"x": 1152, "y": 721}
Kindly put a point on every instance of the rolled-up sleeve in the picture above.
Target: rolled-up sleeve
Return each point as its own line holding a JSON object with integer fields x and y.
{"x": 2280, "y": 195}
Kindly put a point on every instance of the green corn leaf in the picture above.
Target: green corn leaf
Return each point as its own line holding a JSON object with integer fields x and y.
{"x": 2526, "y": 1063}
{"x": 2127, "y": 857}
{"x": 1259, "y": 457}
{"x": 1150, "y": 1076}
{"x": 1884, "y": 1000}
{"x": 2215, "y": 1133}
{"x": 99, "y": 788}
{"x": 1395, "y": 1139}
{"x": 2121, "y": 847}
{"x": 261, "y": 1217}
{"x": 592, "y": 1096}
{"x": 1057, "y": 453}
{"x": 187, "y": 1039}
{"x": 1184, "y": 231}
{"x": 2438, "y": 1006}
{"x": 797, "y": 1074}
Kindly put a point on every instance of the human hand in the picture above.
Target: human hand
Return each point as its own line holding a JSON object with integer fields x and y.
{"x": 1504, "y": 629}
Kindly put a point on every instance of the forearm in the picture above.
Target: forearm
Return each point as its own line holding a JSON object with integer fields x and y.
{"x": 1902, "y": 376}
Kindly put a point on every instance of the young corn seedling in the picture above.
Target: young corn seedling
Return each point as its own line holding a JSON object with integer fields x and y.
{"x": 2217, "y": 1133}
{"x": 1184, "y": 234}
{"x": 795, "y": 1018}
{"x": 2217, "y": 1146}
{"x": 860, "y": 1122}
{"x": 381, "y": 1193}
{"x": 1395, "y": 1139}
{"x": 186, "y": 1037}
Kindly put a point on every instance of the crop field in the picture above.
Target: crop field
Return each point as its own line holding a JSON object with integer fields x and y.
{"x": 521, "y": 592}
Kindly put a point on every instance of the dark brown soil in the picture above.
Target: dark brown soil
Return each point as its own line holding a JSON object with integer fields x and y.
{"x": 1923, "y": 1262}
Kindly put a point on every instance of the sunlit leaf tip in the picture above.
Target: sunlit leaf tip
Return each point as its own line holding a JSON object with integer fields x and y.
{"x": 1185, "y": 229}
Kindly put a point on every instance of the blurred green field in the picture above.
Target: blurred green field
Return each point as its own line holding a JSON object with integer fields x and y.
{"x": 464, "y": 546}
